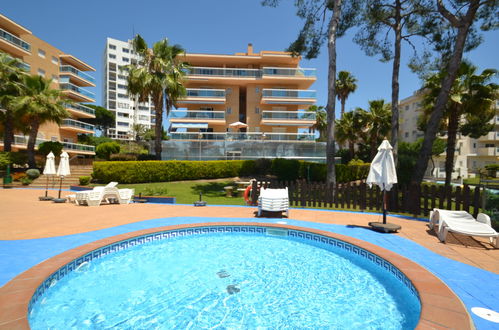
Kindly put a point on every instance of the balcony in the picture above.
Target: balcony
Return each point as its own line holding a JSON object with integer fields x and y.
{"x": 269, "y": 72}
{"x": 77, "y": 93}
{"x": 77, "y": 126}
{"x": 250, "y": 136}
{"x": 488, "y": 151}
{"x": 80, "y": 110}
{"x": 288, "y": 96}
{"x": 204, "y": 96}
{"x": 226, "y": 73}
{"x": 14, "y": 45}
{"x": 76, "y": 76}
{"x": 288, "y": 118}
{"x": 21, "y": 142}
{"x": 206, "y": 116}
{"x": 491, "y": 136}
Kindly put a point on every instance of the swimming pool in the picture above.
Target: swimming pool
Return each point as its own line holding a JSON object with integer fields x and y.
{"x": 231, "y": 276}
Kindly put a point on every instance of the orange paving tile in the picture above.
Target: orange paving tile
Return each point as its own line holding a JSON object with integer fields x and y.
{"x": 22, "y": 216}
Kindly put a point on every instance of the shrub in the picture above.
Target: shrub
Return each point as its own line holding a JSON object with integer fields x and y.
{"x": 26, "y": 181}
{"x": 17, "y": 176}
{"x": 4, "y": 160}
{"x": 285, "y": 169}
{"x": 84, "y": 180}
{"x": 50, "y": 146}
{"x": 104, "y": 150}
{"x": 33, "y": 173}
{"x": 146, "y": 157}
{"x": 356, "y": 161}
{"x": 123, "y": 157}
{"x": 18, "y": 158}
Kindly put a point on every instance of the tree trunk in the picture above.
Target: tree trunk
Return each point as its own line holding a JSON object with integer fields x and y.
{"x": 331, "y": 97}
{"x": 451, "y": 145}
{"x": 8, "y": 134}
{"x": 34, "y": 125}
{"x": 443, "y": 96}
{"x": 395, "y": 80}
{"x": 158, "y": 126}
{"x": 343, "y": 100}
{"x": 351, "y": 146}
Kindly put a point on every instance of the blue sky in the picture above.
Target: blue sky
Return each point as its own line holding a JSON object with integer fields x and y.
{"x": 219, "y": 26}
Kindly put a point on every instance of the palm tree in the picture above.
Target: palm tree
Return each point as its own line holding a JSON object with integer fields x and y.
{"x": 345, "y": 84}
{"x": 157, "y": 75}
{"x": 469, "y": 107}
{"x": 375, "y": 123}
{"x": 38, "y": 103}
{"x": 348, "y": 130}
{"x": 320, "y": 121}
{"x": 10, "y": 85}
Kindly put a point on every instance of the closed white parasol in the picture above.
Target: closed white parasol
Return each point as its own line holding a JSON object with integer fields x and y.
{"x": 62, "y": 171}
{"x": 48, "y": 170}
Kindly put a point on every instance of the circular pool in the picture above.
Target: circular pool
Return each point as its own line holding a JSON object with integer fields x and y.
{"x": 227, "y": 277}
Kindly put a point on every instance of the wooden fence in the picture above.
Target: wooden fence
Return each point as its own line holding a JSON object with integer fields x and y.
{"x": 415, "y": 200}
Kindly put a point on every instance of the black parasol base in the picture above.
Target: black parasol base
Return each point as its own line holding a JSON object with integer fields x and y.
{"x": 45, "y": 198}
{"x": 59, "y": 200}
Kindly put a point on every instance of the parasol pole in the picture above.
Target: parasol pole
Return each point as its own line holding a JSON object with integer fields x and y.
{"x": 384, "y": 204}
{"x": 47, "y": 187}
{"x": 60, "y": 187}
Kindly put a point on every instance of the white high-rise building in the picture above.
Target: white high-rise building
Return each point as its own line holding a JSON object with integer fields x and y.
{"x": 117, "y": 55}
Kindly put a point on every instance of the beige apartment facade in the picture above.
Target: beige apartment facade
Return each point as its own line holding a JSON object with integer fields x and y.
{"x": 471, "y": 155}
{"x": 267, "y": 92}
{"x": 67, "y": 72}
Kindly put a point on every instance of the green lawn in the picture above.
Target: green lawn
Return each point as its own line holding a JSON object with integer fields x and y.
{"x": 187, "y": 192}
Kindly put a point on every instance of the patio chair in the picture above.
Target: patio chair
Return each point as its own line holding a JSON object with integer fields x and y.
{"x": 461, "y": 222}
{"x": 273, "y": 200}
{"x": 89, "y": 197}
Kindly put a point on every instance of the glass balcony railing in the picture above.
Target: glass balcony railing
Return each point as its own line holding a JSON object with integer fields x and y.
{"x": 197, "y": 114}
{"x": 9, "y": 37}
{"x": 288, "y": 115}
{"x": 75, "y": 71}
{"x": 78, "y": 147}
{"x": 224, "y": 72}
{"x": 289, "y": 93}
{"x": 23, "y": 140}
{"x": 77, "y": 124}
{"x": 25, "y": 66}
{"x": 80, "y": 107}
{"x": 289, "y": 72}
{"x": 236, "y": 136}
{"x": 64, "y": 84}
{"x": 203, "y": 92}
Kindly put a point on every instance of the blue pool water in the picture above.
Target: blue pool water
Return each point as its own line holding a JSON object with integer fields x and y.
{"x": 227, "y": 281}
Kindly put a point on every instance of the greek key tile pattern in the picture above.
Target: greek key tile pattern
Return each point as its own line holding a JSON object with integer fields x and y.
{"x": 308, "y": 238}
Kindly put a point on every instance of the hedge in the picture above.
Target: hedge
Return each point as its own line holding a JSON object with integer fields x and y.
{"x": 174, "y": 170}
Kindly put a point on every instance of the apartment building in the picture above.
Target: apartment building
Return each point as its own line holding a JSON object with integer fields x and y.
{"x": 471, "y": 154}
{"x": 67, "y": 72}
{"x": 245, "y": 105}
{"x": 117, "y": 55}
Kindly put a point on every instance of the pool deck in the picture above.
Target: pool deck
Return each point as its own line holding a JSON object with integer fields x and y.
{"x": 33, "y": 231}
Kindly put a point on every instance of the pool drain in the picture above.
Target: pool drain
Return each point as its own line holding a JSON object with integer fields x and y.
{"x": 231, "y": 289}
{"x": 487, "y": 314}
{"x": 223, "y": 274}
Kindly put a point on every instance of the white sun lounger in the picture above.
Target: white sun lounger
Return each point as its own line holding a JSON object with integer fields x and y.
{"x": 274, "y": 200}
{"x": 106, "y": 193}
{"x": 461, "y": 222}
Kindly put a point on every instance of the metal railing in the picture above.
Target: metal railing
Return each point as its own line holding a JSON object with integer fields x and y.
{"x": 77, "y": 124}
{"x": 224, "y": 72}
{"x": 80, "y": 107}
{"x": 204, "y": 92}
{"x": 289, "y": 72}
{"x": 9, "y": 37}
{"x": 252, "y": 136}
{"x": 64, "y": 85}
{"x": 288, "y": 115}
{"x": 289, "y": 93}
{"x": 197, "y": 114}
{"x": 73, "y": 70}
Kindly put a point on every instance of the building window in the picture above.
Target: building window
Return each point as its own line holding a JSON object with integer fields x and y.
{"x": 41, "y": 72}
{"x": 41, "y": 53}
{"x": 112, "y": 46}
{"x": 120, "y": 76}
{"x": 112, "y": 56}
{"x": 229, "y": 111}
{"x": 53, "y": 138}
{"x": 120, "y": 123}
{"x": 406, "y": 134}
{"x": 143, "y": 118}
{"x": 55, "y": 60}
{"x": 474, "y": 145}
{"x": 406, "y": 107}
{"x": 112, "y": 105}
{"x": 55, "y": 78}
{"x": 122, "y": 86}
{"x": 125, "y": 50}
{"x": 257, "y": 90}
{"x": 123, "y": 96}
{"x": 125, "y": 59}
{"x": 257, "y": 110}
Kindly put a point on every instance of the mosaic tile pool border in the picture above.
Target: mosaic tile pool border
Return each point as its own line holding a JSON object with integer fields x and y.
{"x": 217, "y": 229}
